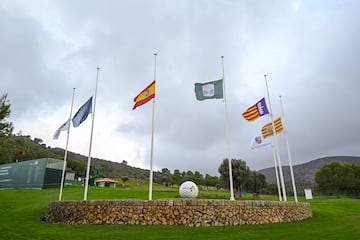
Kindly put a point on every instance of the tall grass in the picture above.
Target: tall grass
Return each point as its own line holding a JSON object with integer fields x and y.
{"x": 20, "y": 212}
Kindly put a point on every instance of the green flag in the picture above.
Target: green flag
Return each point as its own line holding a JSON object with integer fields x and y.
{"x": 209, "y": 90}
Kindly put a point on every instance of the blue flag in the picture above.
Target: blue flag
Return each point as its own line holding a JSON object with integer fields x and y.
{"x": 82, "y": 113}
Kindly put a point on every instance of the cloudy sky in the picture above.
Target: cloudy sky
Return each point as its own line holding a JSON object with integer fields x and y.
{"x": 309, "y": 50}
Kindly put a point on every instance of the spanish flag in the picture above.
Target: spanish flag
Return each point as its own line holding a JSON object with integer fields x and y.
{"x": 267, "y": 129}
{"x": 145, "y": 95}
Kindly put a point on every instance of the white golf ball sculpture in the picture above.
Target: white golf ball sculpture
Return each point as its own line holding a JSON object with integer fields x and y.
{"x": 188, "y": 189}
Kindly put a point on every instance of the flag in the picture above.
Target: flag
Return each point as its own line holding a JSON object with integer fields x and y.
{"x": 145, "y": 95}
{"x": 259, "y": 141}
{"x": 255, "y": 111}
{"x": 64, "y": 127}
{"x": 209, "y": 90}
{"x": 267, "y": 129}
{"x": 82, "y": 113}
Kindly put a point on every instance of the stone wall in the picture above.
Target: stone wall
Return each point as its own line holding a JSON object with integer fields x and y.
{"x": 176, "y": 212}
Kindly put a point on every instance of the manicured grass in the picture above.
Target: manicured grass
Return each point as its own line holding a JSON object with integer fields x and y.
{"x": 21, "y": 209}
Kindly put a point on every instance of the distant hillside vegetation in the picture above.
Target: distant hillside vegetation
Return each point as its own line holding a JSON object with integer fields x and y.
{"x": 18, "y": 148}
{"x": 106, "y": 168}
{"x": 304, "y": 174}
{"x": 21, "y": 148}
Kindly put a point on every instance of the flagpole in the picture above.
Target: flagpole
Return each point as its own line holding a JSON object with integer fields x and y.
{"x": 276, "y": 171}
{"x": 91, "y": 137}
{"x": 288, "y": 150}
{"x": 66, "y": 148}
{"x": 276, "y": 144}
{"x": 152, "y": 137}
{"x": 228, "y": 135}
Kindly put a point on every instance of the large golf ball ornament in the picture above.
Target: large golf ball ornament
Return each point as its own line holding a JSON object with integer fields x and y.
{"x": 188, "y": 189}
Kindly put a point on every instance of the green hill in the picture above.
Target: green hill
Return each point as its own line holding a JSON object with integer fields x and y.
{"x": 22, "y": 148}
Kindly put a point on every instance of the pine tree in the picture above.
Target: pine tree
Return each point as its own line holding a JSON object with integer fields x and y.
{"x": 6, "y": 128}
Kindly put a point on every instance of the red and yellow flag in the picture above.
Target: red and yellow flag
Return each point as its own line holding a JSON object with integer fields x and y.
{"x": 267, "y": 129}
{"x": 255, "y": 111}
{"x": 145, "y": 95}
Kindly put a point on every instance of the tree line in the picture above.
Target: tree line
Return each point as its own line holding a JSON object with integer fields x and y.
{"x": 244, "y": 179}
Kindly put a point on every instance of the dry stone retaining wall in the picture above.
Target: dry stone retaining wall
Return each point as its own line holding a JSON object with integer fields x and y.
{"x": 176, "y": 212}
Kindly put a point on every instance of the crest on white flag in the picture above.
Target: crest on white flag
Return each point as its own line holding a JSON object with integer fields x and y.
{"x": 259, "y": 141}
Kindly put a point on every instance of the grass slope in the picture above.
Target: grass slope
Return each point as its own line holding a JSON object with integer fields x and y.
{"x": 21, "y": 209}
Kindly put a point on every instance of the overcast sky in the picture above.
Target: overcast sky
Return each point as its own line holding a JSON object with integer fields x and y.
{"x": 309, "y": 50}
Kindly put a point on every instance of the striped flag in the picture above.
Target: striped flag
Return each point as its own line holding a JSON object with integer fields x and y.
{"x": 145, "y": 95}
{"x": 255, "y": 111}
{"x": 267, "y": 129}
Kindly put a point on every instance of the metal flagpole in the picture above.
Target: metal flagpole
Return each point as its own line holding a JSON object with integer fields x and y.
{"x": 288, "y": 150}
{"x": 66, "y": 148}
{"x": 228, "y": 135}
{"x": 276, "y": 171}
{"x": 91, "y": 137}
{"x": 276, "y": 145}
{"x": 152, "y": 136}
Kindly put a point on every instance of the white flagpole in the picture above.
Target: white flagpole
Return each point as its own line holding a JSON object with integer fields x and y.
{"x": 152, "y": 136}
{"x": 276, "y": 171}
{"x": 288, "y": 150}
{"x": 276, "y": 145}
{"x": 228, "y": 135}
{"x": 66, "y": 148}
{"x": 91, "y": 137}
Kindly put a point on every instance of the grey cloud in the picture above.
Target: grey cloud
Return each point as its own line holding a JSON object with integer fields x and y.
{"x": 310, "y": 56}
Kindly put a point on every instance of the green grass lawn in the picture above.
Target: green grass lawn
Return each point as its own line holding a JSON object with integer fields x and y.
{"x": 20, "y": 212}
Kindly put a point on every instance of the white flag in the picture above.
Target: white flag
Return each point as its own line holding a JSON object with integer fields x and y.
{"x": 259, "y": 141}
{"x": 64, "y": 127}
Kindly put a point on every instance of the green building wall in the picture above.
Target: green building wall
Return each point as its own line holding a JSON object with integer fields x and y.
{"x": 36, "y": 174}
